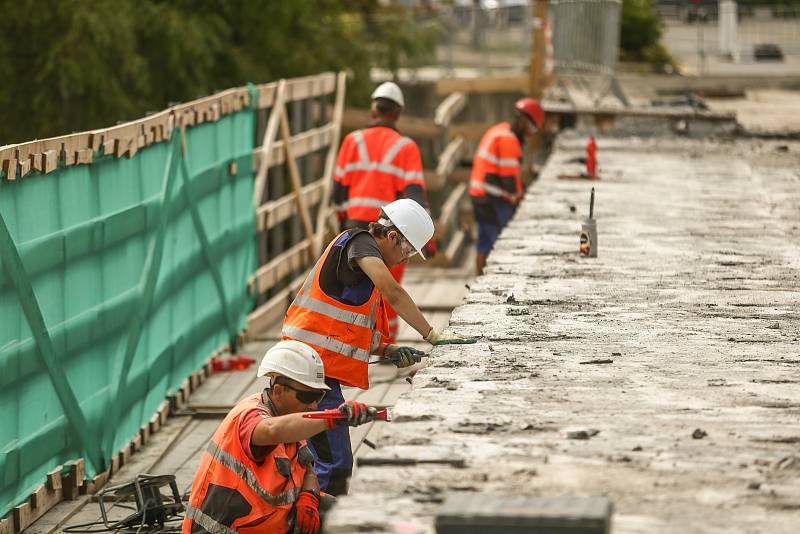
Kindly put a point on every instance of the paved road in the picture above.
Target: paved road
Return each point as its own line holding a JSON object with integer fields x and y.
{"x": 694, "y": 298}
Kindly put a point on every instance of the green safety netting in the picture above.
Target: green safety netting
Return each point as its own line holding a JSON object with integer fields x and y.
{"x": 117, "y": 280}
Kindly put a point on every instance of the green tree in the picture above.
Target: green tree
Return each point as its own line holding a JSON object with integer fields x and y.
{"x": 74, "y": 65}
{"x": 640, "y": 33}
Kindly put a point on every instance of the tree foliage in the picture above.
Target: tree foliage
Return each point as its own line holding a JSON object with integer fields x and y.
{"x": 641, "y": 30}
{"x": 74, "y": 65}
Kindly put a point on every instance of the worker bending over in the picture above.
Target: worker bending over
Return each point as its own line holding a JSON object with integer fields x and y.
{"x": 495, "y": 186}
{"x": 256, "y": 474}
{"x": 339, "y": 311}
{"x": 376, "y": 166}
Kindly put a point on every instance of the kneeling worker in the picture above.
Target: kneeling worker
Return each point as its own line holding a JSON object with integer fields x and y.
{"x": 257, "y": 475}
{"x": 338, "y": 311}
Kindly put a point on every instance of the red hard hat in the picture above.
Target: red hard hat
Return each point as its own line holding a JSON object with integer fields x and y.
{"x": 532, "y": 109}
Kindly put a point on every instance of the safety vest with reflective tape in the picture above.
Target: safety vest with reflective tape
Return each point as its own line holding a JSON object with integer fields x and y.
{"x": 232, "y": 493}
{"x": 376, "y": 164}
{"x": 495, "y": 166}
{"x": 344, "y": 335}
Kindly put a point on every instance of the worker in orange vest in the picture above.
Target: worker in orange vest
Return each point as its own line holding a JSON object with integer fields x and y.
{"x": 376, "y": 166}
{"x": 256, "y": 474}
{"x": 495, "y": 187}
{"x": 340, "y": 312}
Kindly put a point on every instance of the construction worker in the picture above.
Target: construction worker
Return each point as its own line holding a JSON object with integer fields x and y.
{"x": 339, "y": 311}
{"x": 375, "y": 166}
{"x": 256, "y": 474}
{"x": 495, "y": 187}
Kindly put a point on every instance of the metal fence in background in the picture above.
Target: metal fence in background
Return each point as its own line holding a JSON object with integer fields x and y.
{"x": 585, "y": 39}
{"x": 714, "y": 37}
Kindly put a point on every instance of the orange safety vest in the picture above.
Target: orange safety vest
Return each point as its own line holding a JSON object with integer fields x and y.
{"x": 376, "y": 164}
{"x": 344, "y": 335}
{"x": 232, "y": 493}
{"x": 495, "y": 166}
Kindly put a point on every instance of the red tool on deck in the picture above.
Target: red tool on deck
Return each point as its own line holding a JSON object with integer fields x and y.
{"x": 384, "y": 414}
{"x": 591, "y": 158}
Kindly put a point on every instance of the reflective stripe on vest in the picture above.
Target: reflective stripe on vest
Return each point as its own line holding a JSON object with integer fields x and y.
{"x": 500, "y": 162}
{"x": 363, "y": 155}
{"x": 491, "y": 189}
{"x": 330, "y": 344}
{"x": 346, "y": 316}
{"x": 208, "y": 523}
{"x": 387, "y": 168}
{"x": 249, "y": 478}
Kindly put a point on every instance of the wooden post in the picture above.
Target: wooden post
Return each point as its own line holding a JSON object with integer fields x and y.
{"x": 537, "y": 77}
{"x": 294, "y": 174}
{"x": 266, "y": 144}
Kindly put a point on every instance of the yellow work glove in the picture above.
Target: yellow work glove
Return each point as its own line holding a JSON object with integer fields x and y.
{"x": 448, "y": 338}
{"x": 403, "y": 356}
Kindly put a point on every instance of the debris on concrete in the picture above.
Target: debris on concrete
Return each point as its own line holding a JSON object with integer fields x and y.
{"x": 597, "y": 361}
{"x": 699, "y": 433}
{"x": 695, "y": 251}
{"x": 580, "y": 433}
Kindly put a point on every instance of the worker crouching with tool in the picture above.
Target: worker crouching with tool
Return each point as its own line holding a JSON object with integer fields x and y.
{"x": 339, "y": 312}
{"x": 257, "y": 472}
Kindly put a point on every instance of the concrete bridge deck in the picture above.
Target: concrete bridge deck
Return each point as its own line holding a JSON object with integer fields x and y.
{"x": 693, "y": 305}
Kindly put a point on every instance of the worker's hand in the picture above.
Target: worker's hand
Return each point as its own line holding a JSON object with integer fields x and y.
{"x": 307, "y": 508}
{"x": 403, "y": 356}
{"x": 447, "y": 338}
{"x": 357, "y": 413}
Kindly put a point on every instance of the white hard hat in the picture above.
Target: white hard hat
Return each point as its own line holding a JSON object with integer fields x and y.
{"x": 295, "y": 360}
{"x": 412, "y": 221}
{"x": 389, "y": 91}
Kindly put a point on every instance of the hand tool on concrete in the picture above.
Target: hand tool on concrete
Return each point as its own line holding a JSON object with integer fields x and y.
{"x": 588, "y": 247}
{"x": 416, "y": 355}
{"x": 375, "y": 414}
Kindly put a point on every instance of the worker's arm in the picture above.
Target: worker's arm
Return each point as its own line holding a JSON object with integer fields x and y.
{"x": 285, "y": 429}
{"x": 394, "y": 294}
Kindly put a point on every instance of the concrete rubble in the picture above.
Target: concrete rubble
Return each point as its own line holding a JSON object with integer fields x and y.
{"x": 694, "y": 423}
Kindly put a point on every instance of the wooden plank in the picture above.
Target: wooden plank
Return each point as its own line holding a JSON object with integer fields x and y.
{"x": 268, "y": 276}
{"x": 274, "y": 309}
{"x": 7, "y": 525}
{"x": 301, "y": 144}
{"x": 297, "y": 183}
{"x": 449, "y": 108}
{"x": 276, "y": 211}
{"x": 454, "y": 246}
{"x": 449, "y": 158}
{"x": 267, "y": 141}
{"x": 450, "y": 208}
{"x": 22, "y": 516}
{"x": 504, "y": 84}
{"x": 54, "y": 478}
{"x": 310, "y": 86}
{"x": 417, "y": 127}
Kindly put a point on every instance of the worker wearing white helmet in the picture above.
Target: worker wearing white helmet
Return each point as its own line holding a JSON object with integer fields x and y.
{"x": 340, "y": 312}
{"x": 378, "y": 165}
{"x": 256, "y": 474}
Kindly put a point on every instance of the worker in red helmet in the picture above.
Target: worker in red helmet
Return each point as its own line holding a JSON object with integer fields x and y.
{"x": 494, "y": 186}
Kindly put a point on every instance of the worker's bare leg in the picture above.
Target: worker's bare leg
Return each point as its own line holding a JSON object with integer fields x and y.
{"x": 480, "y": 263}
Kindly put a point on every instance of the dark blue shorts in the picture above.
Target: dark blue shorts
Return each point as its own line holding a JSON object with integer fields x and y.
{"x": 492, "y": 215}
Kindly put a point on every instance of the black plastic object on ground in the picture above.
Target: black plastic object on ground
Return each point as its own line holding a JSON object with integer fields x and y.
{"x": 155, "y": 512}
{"x": 473, "y": 513}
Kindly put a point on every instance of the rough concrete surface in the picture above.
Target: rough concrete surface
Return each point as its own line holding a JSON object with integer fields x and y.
{"x": 693, "y": 298}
